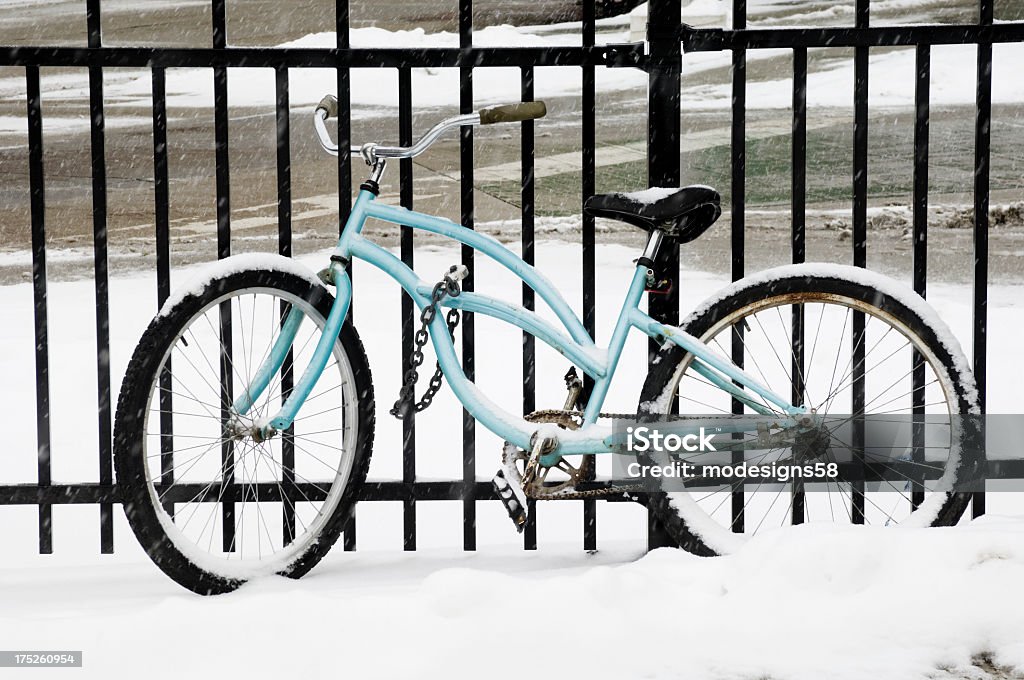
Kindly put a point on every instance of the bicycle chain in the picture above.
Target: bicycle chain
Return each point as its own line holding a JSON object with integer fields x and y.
{"x": 447, "y": 286}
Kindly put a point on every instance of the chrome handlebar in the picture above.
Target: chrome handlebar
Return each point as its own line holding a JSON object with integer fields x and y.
{"x": 506, "y": 113}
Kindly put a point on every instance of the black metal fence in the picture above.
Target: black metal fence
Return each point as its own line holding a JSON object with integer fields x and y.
{"x": 668, "y": 38}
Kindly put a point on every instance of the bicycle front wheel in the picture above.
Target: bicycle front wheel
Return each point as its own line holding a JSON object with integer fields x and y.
{"x": 852, "y": 346}
{"x": 212, "y": 501}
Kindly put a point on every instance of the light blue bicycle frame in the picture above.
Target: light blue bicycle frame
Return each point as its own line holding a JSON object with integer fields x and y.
{"x": 573, "y": 342}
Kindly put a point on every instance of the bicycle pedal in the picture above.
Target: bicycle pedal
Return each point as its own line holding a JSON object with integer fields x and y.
{"x": 512, "y": 498}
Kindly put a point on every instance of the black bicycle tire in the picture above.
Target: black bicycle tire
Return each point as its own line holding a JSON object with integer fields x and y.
{"x": 133, "y": 401}
{"x": 698, "y": 324}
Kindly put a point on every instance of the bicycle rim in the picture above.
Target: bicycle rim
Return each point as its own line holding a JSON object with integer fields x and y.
{"x": 232, "y": 505}
{"x": 889, "y": 354}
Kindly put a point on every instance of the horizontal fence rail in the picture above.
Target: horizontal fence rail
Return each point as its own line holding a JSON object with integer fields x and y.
{"x": 662, "y": 58}
{"x": 713, "y": 39}
{"x": 321, "y": 57}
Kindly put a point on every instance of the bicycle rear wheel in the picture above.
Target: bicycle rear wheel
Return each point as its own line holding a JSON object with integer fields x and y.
{"x": 852, "y": 346}
{"x": 213, "y": 503}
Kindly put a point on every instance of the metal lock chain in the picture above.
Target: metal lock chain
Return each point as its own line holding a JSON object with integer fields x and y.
{"x": 406, "y": 404}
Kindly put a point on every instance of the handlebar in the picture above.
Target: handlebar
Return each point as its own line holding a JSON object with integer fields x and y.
{"x": 506, "y": 113}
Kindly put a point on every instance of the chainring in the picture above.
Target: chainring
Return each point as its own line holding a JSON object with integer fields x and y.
{"x": 540, "y": 486}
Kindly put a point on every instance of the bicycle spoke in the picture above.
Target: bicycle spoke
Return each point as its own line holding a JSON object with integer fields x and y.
{"x": 860, "y": 364}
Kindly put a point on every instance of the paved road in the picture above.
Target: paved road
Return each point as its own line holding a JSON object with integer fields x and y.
{"x": 620, "y": 156}
{"x": 250, "y": 22}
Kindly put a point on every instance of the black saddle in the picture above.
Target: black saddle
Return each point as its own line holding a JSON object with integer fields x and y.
{"x": 683, "y": 214}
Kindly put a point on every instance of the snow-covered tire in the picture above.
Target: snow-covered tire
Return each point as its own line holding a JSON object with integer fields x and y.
{"x": 678, "y": 512}
{"x": 155, "y": 527}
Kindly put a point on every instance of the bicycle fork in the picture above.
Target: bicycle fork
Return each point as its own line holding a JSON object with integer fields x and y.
{"x": 278, "y": 353}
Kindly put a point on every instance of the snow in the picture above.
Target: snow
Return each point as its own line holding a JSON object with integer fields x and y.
{"x": 704, "y": 526}
{"x": 649, "y": 196}
{"x": 203, "y": 274}
{"x": 248, "y": 569}
{"x": 914, "y": 599}
{"x": 19, "y": 124}
{"x": 108, "y": 6}
{"x": 701, "y": 13}
{"x": 890, "y": 83}
{"x": 831, "y": 87}
{"x": 655, "y": 194}
{"x": 817, "y": 601}
{"x": 865, "y": 277}
{"x": 502, "y": 482}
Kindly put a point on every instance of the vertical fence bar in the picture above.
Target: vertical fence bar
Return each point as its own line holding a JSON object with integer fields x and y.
{"x": 223, "y": 182}
{"x": 282, "y": 119}
{"x": 982, "y": 148}
{"x": 798, "y": 198}
{"x": 99, "y": 230}
{"x": 798, "y": 201}
{"x": 42, "y": 353}
{"x": 161, "y": 191}
{"x": 220, "y": 128}
{"x": 737, "y": 212}
{"x": 589, "y": 106}
{"x": 161, "y": 220}
{"x": 468, "y": 325}
{"x": 860, "y": 143}
{"x": 529, "y": 298}
{"x": 408, "y": 309}
{"x": 920, "y": 248}
{"x": 860, "y": 239}
{"x": 664, "y": 25}
{"x": 342, "y": 42}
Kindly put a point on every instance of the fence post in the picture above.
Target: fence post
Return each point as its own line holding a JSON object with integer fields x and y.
{"x": 99, "y": 221}
{"x": 468, "y": 323}
{"x": 664, "y": 26}
{"x": 982, "y": 152}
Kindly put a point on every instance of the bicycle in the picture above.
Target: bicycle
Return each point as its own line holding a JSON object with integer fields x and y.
{"x": 251, "y": 391}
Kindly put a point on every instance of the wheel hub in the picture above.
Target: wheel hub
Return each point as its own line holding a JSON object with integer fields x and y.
{"x": 238, "y": 429}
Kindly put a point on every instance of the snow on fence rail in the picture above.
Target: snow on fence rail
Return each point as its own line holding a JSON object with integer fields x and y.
{"x": 667, "y": 37}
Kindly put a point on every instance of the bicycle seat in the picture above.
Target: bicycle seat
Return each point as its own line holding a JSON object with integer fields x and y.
{"x": 683, "y": 214}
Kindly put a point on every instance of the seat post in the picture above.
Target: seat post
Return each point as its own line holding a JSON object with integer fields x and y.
{"x": 653, "y": 245}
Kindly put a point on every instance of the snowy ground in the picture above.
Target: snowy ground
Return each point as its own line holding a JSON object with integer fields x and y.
{"x": 876, "y": 603}
{"x": 851, "y": 602}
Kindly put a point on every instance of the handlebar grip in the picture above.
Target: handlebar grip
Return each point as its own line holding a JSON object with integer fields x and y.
{"x": 329, "y": 104}
{"x": 511, "y": 113}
